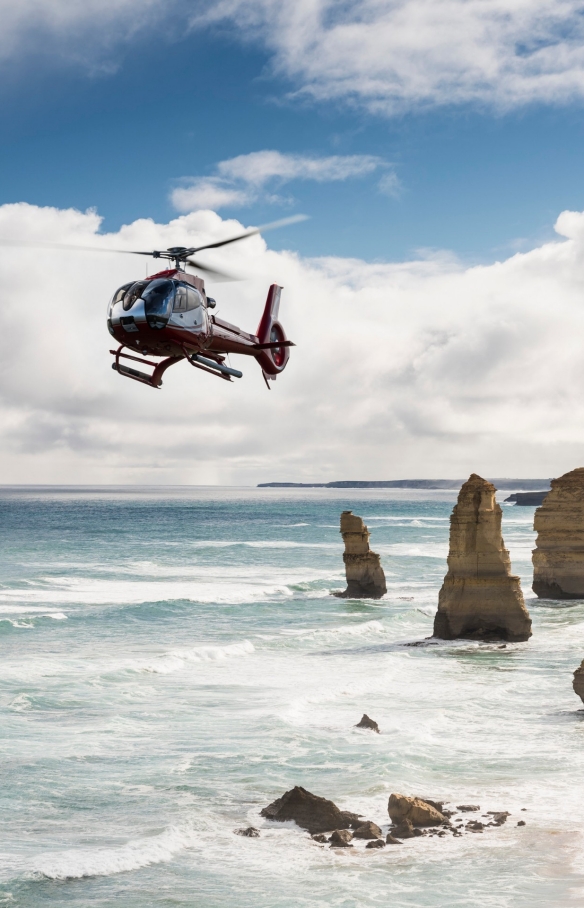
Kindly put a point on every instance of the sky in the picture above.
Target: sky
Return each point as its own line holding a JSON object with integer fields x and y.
{"x": 434, "y": 291}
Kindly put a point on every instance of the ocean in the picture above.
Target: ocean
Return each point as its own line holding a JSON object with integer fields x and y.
{"x": 173, "y": 660}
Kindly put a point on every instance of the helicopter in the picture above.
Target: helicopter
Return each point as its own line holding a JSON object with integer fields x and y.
{"x": 168, "y": 315}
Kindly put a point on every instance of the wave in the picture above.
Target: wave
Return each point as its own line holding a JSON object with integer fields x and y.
{"x": 176, "y": 659}
{"x": 344, "y": 630}
{"x": 76, "y": 864}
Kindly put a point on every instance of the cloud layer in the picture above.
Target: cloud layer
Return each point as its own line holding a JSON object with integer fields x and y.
{"x": 420, "y": 368}
{"x": 243, "y": 180}
{"x": 385, "y": 55}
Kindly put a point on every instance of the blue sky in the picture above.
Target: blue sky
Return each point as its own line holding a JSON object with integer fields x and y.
{"x": 119, "y": 132}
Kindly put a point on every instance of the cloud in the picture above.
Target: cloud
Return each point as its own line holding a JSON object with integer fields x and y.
{"x": 384, "y": 55}
{"x": 242, "y": 180}
{"x": 416, "y": 368}
{"x": 392, "y": 55}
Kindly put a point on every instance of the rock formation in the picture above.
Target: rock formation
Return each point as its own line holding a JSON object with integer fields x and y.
{"x": 578, "y": 682}
{"x": 365, "y": 577}
{"x": 479, "y": 599}
{"x": 419, "y": 813}
{"x": 558, "y": 559}
{"x": 366, "y": 722}
{"x": 310, "y": 812}
{"x": 368, "y": 830}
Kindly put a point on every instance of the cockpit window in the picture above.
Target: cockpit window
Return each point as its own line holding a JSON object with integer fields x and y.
{"x": 134, "y": 293}
{"x": 158, "y": 301}
{"x": 194, "y": 298}
{"x": 119, "y": 294}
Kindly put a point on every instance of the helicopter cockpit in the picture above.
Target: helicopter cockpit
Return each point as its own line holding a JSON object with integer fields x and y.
{"x": 162, "y": 300}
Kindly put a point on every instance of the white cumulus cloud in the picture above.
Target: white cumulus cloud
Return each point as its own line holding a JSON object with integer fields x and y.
{"x": 415, "y": 368}
{"x": 391, "y": 55}
{"x": 242, "y": 180}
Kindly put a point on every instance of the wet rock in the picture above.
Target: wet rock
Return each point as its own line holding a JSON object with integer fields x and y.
{"x": 310, "y": 812}
{"x": 558, "y": 557}
{"x": 522, "y": 823}
{"x": 367, "y": 831}
{"x": 499, "y": 816}
{"x": 320, "y": 837}
{"x": 251, "y": 832}
{"x": 365, "y": 577}
{"x": 366, "y": 722}
{"x": 466, "y": 808}
{"x": 375, "y": 843}
{"x": 404, "y": 830}
{"x": 419, "y": 813}
{"x": 578, "y": 682}
{"x": 479, "y": 599}
{"x": 392, "y": 840}
{"x": 341, "y": 838}
{"x": 475, "y": 826}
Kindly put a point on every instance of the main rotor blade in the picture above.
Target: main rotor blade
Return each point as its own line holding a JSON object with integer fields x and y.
{"x": 242, "y": 236}
{"x": 215, "y": 272}
{"x": 44, "y": 245}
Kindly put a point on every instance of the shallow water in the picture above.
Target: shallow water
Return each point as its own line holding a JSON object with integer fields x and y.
{"x": 172, "y": 661}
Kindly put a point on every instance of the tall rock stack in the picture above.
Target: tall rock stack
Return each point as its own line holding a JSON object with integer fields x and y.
{"x": 558, "y": 559}
{"x": 578, "y": 682}
{"x": 365, "y": 577}
{"x": 479, "y": 599}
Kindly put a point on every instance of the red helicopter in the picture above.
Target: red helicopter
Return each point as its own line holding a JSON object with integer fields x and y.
{"x": 168, "y": 315}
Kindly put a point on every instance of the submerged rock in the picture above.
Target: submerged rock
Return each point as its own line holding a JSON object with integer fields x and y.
{"x": 375, "y": 843}
{"x": 558, "y": 557}
{"x": 365, "y": 577}
{"x": 367, "y": 831}
{"x": 479, "y": 599}
{"x": 366, "y": 722}
{"x": 251, "y": 832}
{"x": 466, "y": 808}
{"x": 578, "y": 682}
{"x": 310, "y": 812}
{"x": 419, "y": 813}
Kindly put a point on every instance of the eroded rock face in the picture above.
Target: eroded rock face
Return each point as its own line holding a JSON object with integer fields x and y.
{"x": 578, "y": 682}
{"x": 365, "y": 577}
{"x": 403, "y": 808}
{"x": 558, "y": 559}
{"x": 479, "y": 599}
{"x": 310, "y": 812}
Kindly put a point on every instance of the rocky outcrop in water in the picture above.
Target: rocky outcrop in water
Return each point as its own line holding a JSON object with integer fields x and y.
{"x": 558, "y": 558}
{"x": 365, "y": 577}
{"x": 578, "y": 682}
{"x": 366, "y": 722}
{"x": 479, "y": 599}
{"x": 402, "y": 808}
{"x": 310, "y": 812}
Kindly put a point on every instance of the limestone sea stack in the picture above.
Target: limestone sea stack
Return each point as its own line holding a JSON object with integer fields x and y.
{"x": 578, "y": 682}
{"x": 558, "y": 559}
{"x": 365, "y": 577}
{"x": 479, "y": 599}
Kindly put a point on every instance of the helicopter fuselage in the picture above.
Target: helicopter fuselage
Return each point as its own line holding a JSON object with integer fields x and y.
{"x": 168, "y": 314}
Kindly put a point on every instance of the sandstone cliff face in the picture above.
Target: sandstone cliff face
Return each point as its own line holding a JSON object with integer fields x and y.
{"x": 578, "y": 682}
{"x": 365, "y": 577}
{"x": 479, "y": 599}
{"x": 558, "y": 559}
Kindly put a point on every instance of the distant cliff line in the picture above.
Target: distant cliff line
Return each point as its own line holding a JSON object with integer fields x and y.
{"x": 503, "y": 484}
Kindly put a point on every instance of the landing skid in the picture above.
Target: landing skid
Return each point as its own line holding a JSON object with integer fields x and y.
{"x": 155, "y": 379}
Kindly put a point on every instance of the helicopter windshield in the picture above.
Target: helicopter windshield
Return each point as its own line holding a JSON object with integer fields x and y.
{"x": 158, "y": 299}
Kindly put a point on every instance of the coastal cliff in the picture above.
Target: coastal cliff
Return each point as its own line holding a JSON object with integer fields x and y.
{"x": 479, "y": 599}
{"x": 365, "y": 577}
{"x": 558, "y": 558}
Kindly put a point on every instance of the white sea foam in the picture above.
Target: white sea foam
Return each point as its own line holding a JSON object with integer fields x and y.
{"x": 176, "y": 659}
{"x": 77, "y": 863}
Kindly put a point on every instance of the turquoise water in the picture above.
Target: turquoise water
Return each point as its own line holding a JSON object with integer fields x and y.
{"x": 172, "y": 661}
